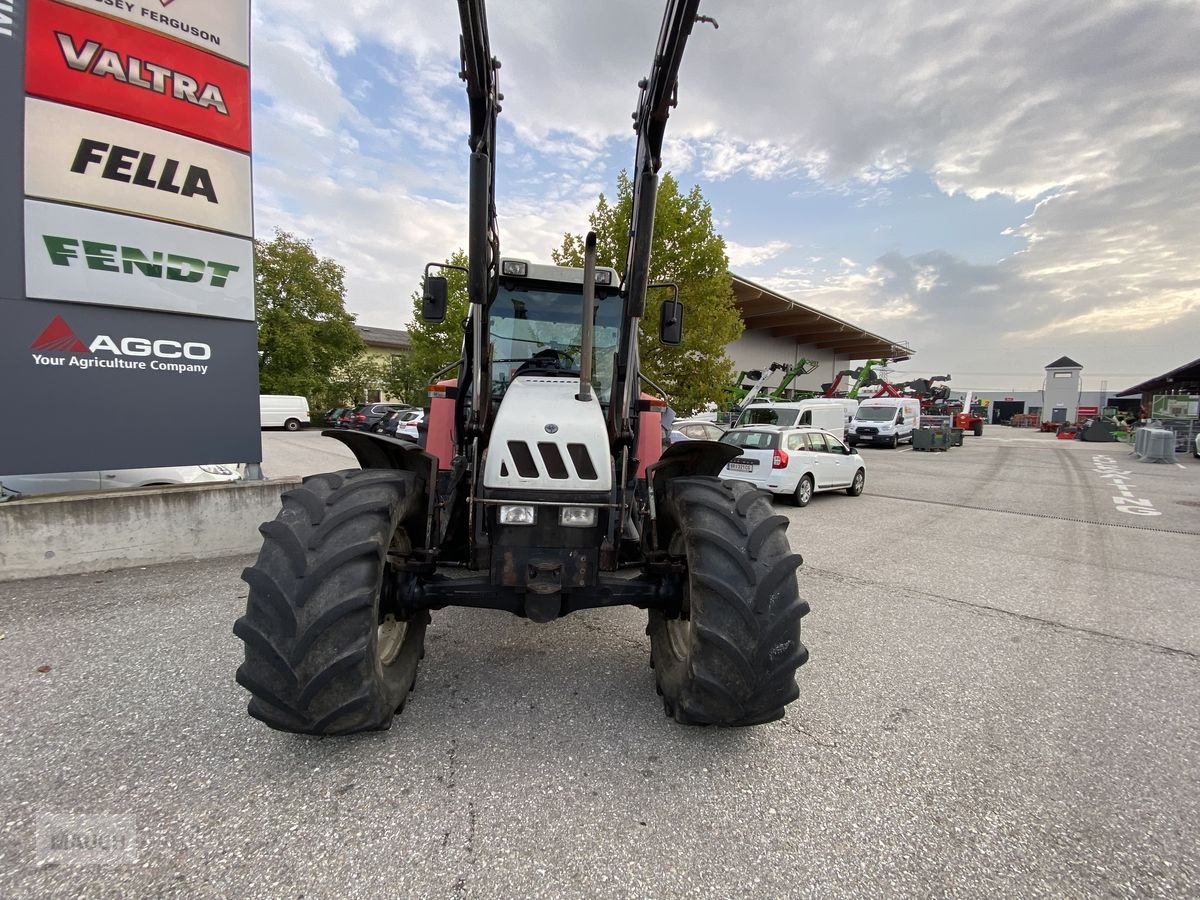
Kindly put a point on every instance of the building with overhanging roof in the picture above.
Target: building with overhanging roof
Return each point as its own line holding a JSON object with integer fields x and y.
{"x": 1182, "y": 380}
{"x": 780, "y": 329}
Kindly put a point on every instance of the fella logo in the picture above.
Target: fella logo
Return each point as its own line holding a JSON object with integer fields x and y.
{"x": 50, "y": 348}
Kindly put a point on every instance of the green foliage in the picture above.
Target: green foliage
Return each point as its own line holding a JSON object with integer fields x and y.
{"x": 688, "y": 251}
{"x": 436, "y": 346}
{"x": 361, "y": 374}
{"x": 405, "y": 380}
{"x": 305, "y": 335}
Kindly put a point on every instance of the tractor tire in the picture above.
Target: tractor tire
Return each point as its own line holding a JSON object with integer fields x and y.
{"x": 327, "y": 652}
{"x": 856, "y": 486}
{"x": 730, "y": 657}
{"x": 977, "y": 429}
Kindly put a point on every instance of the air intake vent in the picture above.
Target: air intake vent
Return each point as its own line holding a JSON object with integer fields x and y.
{"x": 555, "y": 467}
{"x": 582, "y": 461}
{"x": 523, "y": 459}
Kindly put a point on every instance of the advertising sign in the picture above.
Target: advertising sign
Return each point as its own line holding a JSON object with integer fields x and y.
{"x": 1175, "y": 406}
{"x": 218, "y": 26}
{"x": 103, "y": 64}
{"x": 84, "y": 157}
{"x": 120, "y": 378}
{"x": 94, "y": 257}
{"x": 12, "y": 113}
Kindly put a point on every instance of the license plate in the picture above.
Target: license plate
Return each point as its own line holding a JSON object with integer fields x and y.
{"x": 738, "y": 465}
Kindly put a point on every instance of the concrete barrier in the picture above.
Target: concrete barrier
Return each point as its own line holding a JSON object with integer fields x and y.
{"x": 75, "y": 533}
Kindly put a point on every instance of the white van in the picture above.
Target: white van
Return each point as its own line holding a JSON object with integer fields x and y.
{"x": 282, "y": 411}
{"x": 884, "y": 420}
{"x": 816, "y": 412}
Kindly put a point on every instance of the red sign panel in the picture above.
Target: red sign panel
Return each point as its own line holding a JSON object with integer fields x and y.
{"x": 1088, "y": 411}
{"x": 83, "y": 59}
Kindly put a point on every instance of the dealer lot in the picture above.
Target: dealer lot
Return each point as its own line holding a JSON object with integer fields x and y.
{"x": 1002, "y": 700}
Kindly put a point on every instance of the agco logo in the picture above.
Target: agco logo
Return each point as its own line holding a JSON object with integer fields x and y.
{"x": 138, "y": 353}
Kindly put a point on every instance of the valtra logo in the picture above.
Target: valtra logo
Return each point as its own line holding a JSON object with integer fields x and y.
{"x": 137, "y": 353}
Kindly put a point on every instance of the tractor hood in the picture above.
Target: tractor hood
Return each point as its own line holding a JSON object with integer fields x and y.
{"x": 544, "y": 439}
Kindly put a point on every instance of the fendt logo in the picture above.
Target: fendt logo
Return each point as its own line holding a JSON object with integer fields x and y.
{"x": 58, "y": 338}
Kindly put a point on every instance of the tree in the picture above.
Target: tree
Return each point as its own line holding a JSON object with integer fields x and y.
{"x": 358, "y": 376}
{"x": 305, "y": 335}
{"x": 688, "y": 251}
{"x": 405, "y": 380}
{"x": 436, "y": 346}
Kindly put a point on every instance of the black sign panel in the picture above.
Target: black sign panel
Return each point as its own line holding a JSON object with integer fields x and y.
{"x": 119, "y": 388}
{"x": 12, "y": 148}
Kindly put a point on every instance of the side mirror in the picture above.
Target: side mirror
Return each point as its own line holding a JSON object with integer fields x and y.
{"x": 900, "y": 420}
{"x": 434, "y": 299}
{"x": 670, "y": 323}
{"x": 852, "y": 451}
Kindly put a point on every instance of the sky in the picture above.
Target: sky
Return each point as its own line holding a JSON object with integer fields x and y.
{"x": 997, "y": 183}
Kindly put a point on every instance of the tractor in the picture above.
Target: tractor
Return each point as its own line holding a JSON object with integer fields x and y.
{"x": 541, "y": 487}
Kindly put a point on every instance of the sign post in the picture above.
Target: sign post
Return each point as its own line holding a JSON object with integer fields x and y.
{"x": 127, "y": 319}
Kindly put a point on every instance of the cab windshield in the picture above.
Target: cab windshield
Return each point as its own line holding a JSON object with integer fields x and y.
{"x": 528, "y": 322}
{"x": 875, "y": 413}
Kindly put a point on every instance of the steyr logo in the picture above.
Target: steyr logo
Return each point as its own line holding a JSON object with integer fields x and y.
{"x": 58, "y": 338}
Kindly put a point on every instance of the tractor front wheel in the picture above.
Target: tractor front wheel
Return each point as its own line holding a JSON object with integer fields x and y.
{"x": 730, "y": 655}
{"x": 328, "y": 648}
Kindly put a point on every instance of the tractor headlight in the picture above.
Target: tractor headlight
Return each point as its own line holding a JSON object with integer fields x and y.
{"x": 577, "y": 516}
{"x": 516, "y": 515}
{"x": 515, "y": 267}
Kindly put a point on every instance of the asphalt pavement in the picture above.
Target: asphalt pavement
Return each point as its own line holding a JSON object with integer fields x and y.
{"x": 1002, "y": 701}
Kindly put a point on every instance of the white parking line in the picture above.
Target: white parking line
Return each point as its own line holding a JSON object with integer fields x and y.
{"x": 906, "y": 450}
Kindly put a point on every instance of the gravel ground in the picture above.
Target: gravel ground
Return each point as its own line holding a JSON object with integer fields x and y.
{"x": 1001, "y": 701}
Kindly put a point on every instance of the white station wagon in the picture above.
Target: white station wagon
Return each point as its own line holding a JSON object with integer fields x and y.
{"x": 797, "y": 462}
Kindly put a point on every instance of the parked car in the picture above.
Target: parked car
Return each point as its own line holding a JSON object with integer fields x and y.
{"x": 794, "y": 462}
{"x": 14, "y": 487}
{"x": 332, "y": 416}
{"x": 345, "y": 419}
{"x": 403, "y": 423}
{"x": 699, "y": 429}
{"x": 368, "y": 416}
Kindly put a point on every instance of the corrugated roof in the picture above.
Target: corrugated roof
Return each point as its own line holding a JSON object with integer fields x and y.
{"x": 391, "y": 338}
{"x": 766, "y": 310}
{"x": 1186, "y": 377}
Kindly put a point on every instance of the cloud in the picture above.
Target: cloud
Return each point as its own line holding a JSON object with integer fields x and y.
{"x": 745, "y": 257}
